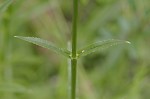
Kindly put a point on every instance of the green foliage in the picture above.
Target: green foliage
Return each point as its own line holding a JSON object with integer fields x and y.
{"x": 74, "y": 54}
{"x": 5, "y": 5}
{"x": 101, "y": 45}
{"x": 121, "y": 72}
{"x": 46, "y": 44}
{"x": 15, "y": 88}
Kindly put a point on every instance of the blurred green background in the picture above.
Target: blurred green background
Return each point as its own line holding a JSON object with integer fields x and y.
{"x": 31, "y": 72}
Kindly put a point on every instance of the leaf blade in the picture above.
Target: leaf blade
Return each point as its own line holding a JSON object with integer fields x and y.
{"x": 13, "y": 87}
{"x": 4, "y": 6}
{"x": 45, "y": 44}
{"x": 99, "y": 46}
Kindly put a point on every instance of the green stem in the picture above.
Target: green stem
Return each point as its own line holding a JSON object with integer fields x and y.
{"x": 74, "y": 50}
{"x": 74, "y": 28}
{"x": 73, "y": 78}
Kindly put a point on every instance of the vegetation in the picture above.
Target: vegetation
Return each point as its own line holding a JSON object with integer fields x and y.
{"x": 31, "y": 72}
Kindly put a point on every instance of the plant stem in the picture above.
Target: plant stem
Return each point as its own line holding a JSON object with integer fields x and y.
{"x": 73, "y": 78}
{"x": 74, "y": 28}
{"x": 74, "y": 50}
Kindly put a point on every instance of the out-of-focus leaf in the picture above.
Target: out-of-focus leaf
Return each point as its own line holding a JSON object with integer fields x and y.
{"x": 4, "y": 6}
{"x": 12, "y": 87}
{"x": 46, "y": 44}
{"x": 132, "y": 4}
{"x": 101, "y": 45}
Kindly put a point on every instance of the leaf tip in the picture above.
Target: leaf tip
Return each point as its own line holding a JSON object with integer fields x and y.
{"x": 128, "y": 42}
{"x": 17, "y": 36}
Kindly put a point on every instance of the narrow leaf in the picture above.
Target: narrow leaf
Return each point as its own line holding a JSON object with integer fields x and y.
{"x": 5, "y": 5}
{"x": 101, "y": 45}
{"x": 46, "y": 44}
{"x": 13, "y": 87}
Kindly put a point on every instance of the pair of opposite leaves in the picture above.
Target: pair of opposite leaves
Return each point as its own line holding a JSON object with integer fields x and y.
{"x": 46, "y": 44}
{"x": 82, "y": 52}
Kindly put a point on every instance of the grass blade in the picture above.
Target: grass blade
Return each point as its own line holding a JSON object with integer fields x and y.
{"x": 13, "y": 87}
{"x": 46, "y": 44}
{"x": 99, "y": 46}
{"x": 4, "y": 6}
